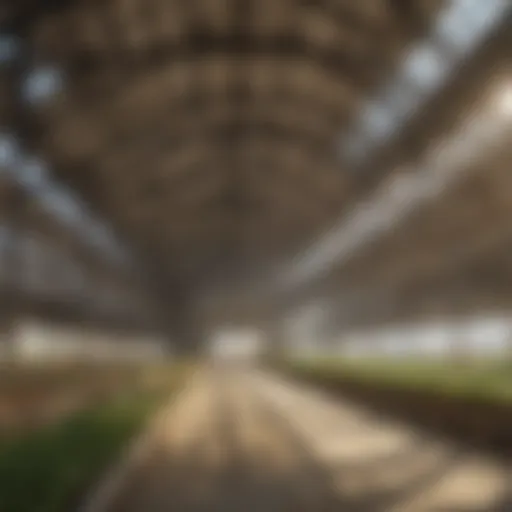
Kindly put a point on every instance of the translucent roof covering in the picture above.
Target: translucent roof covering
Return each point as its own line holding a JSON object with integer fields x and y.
{"x": 460, "y": 28}
{"x": 33, "y": 175}
{"x": 9, "y": 49}
{"x": 41, "y": 84}
{"x": 403, "y": 193}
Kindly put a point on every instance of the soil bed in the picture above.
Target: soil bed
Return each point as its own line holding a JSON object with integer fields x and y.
{"x": 478, "y": 420}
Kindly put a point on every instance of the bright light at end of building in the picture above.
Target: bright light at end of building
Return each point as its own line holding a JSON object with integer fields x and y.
{"x": 236, "y": 343}
{"x": 504, "y": 101}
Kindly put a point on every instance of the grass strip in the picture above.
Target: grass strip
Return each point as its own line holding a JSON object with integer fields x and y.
{"x": 46, "y": 470}
{"x": 489, "y": 382}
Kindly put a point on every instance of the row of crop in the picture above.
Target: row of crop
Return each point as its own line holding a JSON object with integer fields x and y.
{"x": 471, "y": 403}
{"x": 35, "y": 395}
{"x": 50, "y": 468}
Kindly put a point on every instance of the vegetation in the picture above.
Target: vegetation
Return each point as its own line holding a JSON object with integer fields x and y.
{"x": 46, "y": 470}
{"x": 489, "y": 381}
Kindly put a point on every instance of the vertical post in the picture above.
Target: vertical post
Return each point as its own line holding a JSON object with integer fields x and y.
{"x": 15, "y": 200}
{"x": 185, "y": 325}
{"x": 12, "y": 298}
{"x": 276, "y": 341}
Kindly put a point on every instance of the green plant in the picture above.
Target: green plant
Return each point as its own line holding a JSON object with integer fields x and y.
{"x": 44, "y": 471}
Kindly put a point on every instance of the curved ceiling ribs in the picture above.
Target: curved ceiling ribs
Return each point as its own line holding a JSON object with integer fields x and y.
{"x": 207, "y": 131}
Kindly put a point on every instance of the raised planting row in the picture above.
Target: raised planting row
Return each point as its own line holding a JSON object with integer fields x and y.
{"x": 33, "y": 395}
{"x": 51, "y": 468}
{"x": 471, "y": 402}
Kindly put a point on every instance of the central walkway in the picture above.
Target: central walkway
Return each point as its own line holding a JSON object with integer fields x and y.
{"x": 250, "y": 442}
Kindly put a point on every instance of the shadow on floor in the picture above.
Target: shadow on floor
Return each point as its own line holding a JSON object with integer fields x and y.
{"x": 191, "y": 483}
{"x": 375, "y": 499}
{"x": 502, "y": 504}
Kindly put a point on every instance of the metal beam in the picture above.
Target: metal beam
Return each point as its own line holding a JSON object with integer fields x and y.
{"x": 355, "y": 69}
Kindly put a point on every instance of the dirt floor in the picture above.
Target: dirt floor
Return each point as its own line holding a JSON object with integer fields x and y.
{"x": 253, "y": 442}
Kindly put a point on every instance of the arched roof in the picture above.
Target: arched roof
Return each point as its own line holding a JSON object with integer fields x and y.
{"x": 207, "y": 132}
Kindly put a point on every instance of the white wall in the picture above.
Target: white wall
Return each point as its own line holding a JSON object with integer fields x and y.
{"x": 43, "y": 341}
{"x": 484, "y": 336}
{"x": 236, "y": 343}
{"x": 474, "y": 336}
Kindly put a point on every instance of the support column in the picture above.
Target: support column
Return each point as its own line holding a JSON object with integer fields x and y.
{"x": 12, "y": 294}
{"x": 276, "y": 338}
{"x": 12, "y": 117}
{"x": 185, "y": 326}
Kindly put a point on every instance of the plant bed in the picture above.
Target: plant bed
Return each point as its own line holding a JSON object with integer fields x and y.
{"x": 481, "y": 420}
{"x": 49, "y": 469}
{"x": 32, "y": 396}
